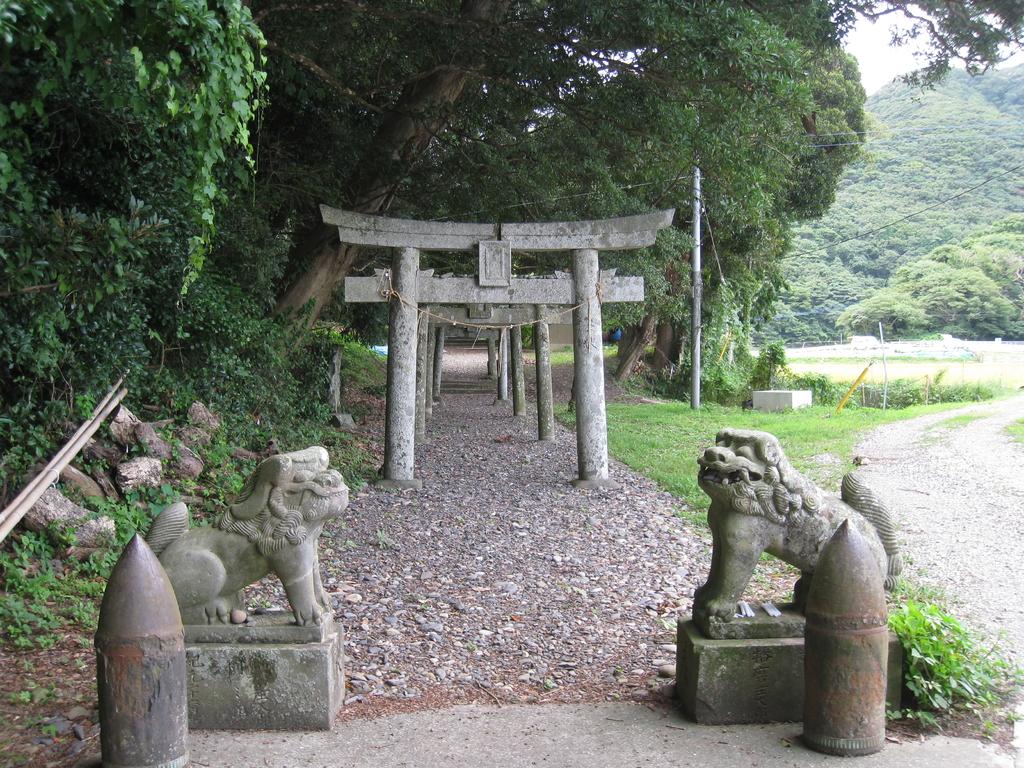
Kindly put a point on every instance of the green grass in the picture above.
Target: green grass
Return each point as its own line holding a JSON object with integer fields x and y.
{"x": 1016, "y": 431}
{"x": 564, "y": 356}
{"x": 663, "y": 440}
{"x": 960, "y": 420}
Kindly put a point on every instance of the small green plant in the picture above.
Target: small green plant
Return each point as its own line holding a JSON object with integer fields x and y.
{"x": 384, "y": 541}
{"x": 947, "y": 667}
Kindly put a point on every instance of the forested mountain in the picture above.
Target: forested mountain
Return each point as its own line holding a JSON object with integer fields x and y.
{"x": 923, "y": 147}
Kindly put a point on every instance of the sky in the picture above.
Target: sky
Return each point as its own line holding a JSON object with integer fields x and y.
{"x": 880, "y": 62}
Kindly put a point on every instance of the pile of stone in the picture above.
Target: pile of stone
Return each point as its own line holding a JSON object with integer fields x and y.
{"x": 116, "y": 469}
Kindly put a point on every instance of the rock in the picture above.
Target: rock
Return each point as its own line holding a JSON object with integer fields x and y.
{"x": 78, "y": 479}
{"x": 353, "y": 597}
{"x": 77, "y": 713}
{"x": 193, "y": 436}
{"x": 201, "y": 416}
{"x": 106, "y": 484}
{"x": 238, "y": 616}
{"x": 187, "y": 464}
{"x": 123, "y": 425}
{"x": 107, "y": 454}
{"x": 143, "y": 472}
{"x": 667, "y": 670}
{"x": 53, "y": 508}
{"x": 154, "y": 445}
{"x": 343, "y": 421}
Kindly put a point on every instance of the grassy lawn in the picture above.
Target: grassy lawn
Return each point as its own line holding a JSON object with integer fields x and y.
{"x": 663, "y": 440}
{"x": 563, "y": 356}
{"x": 1016, "y": 431}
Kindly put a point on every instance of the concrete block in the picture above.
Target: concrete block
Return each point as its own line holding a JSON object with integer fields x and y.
{"x": 266, "y": 675}
{"x": 726, "y": 682}
{"x": 781, "y": 399}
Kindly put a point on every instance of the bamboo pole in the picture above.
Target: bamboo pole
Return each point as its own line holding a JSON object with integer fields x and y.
{"x": 13, "y": 512}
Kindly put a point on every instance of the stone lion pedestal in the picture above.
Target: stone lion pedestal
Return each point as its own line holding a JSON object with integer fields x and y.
{"x": 266, "y": 674}
{"x": 756, "y": 675}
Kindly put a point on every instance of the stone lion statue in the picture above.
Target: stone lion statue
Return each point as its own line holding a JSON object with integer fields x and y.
{"x": 273, "y": 527}
{"x": 759, "y": 503}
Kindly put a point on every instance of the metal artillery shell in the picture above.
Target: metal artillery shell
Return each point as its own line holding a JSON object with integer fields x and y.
{"x": 140, "y": 666}
{"x": 845, "y": 650}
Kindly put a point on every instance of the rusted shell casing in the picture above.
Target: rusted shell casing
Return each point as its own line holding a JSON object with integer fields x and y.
{"x": 845, "y": 650}
{"x": 140, "y": 666}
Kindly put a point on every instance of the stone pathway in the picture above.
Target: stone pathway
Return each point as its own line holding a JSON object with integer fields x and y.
{"x": 959, "y": 494}
{"x": 499, "y": 582}
{"x": 564, "y": 736}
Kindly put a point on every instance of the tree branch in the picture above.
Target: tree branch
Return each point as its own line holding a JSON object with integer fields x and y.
{"x": 335, "y": 85}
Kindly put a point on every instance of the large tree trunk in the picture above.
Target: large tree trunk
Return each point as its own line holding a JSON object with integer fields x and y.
{"x": 406, "y": 129}
{"x": 636, "y": 349}
{"x": 663, "y": 343}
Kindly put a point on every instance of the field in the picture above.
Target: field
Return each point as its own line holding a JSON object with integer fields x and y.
{"x": 1005, "y": 368}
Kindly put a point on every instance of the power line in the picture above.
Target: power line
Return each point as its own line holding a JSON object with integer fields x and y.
{"x": 877, "y": 229}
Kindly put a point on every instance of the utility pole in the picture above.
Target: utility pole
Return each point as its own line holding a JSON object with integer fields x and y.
{"x": 698, "y": 290}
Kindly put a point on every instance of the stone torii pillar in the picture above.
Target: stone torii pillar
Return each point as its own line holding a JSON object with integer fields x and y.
{"x": 588, "y": 369}
{"x": 428, "y": 376}
{"x": 515, "y": 333}
{"x": 492, "y": 359}
{"x": 545, "y": 399}
{"x": 439, "y": 334}
{"x": 503, "y": 365}
{"x": 585, "y": 290}
{"x": 421, "y": 377}
{"x": 400, "y": 408}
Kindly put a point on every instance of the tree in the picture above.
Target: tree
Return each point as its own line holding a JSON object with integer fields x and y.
{"x": 123, "y": 123}
{"x": 971, "y": 289}
{"x": 898, "y": 312}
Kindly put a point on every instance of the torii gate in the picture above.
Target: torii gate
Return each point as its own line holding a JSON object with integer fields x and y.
{"x": 405, "y": 287}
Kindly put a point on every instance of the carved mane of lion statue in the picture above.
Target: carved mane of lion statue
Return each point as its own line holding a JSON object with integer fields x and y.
{"x": 273, "y": 527}
{"x": 760, "y": 503}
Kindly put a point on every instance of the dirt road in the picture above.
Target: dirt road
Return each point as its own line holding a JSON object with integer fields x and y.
{"x": 956, "y": 482}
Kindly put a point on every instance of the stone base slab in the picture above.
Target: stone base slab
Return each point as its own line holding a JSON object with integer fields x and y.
{"x": 249, "y": 682}
{"x": 414, "y": 484}
{"x": 761, "y": 680}
{"x": 596, "y": 483}
{"x": 789, "y": 624}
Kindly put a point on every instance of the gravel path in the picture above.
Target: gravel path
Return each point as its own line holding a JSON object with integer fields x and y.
{"x": 499, "y": 582}
{"x": 959, "y": 494}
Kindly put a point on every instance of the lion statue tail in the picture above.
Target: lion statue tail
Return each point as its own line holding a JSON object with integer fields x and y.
{"x": 169, "y": 526}
{"x": 855, "y": 493}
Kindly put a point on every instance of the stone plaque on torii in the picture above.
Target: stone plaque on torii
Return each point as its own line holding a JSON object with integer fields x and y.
{"x": 495, "y": 297}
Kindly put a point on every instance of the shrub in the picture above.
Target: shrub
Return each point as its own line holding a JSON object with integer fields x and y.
{"x": 770, "y": 364}
{"x": 725, "y": 383}
{"x": 824, "y": 390}
{"x": 945, "y": 666}
{"x": 906, "y": 392}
